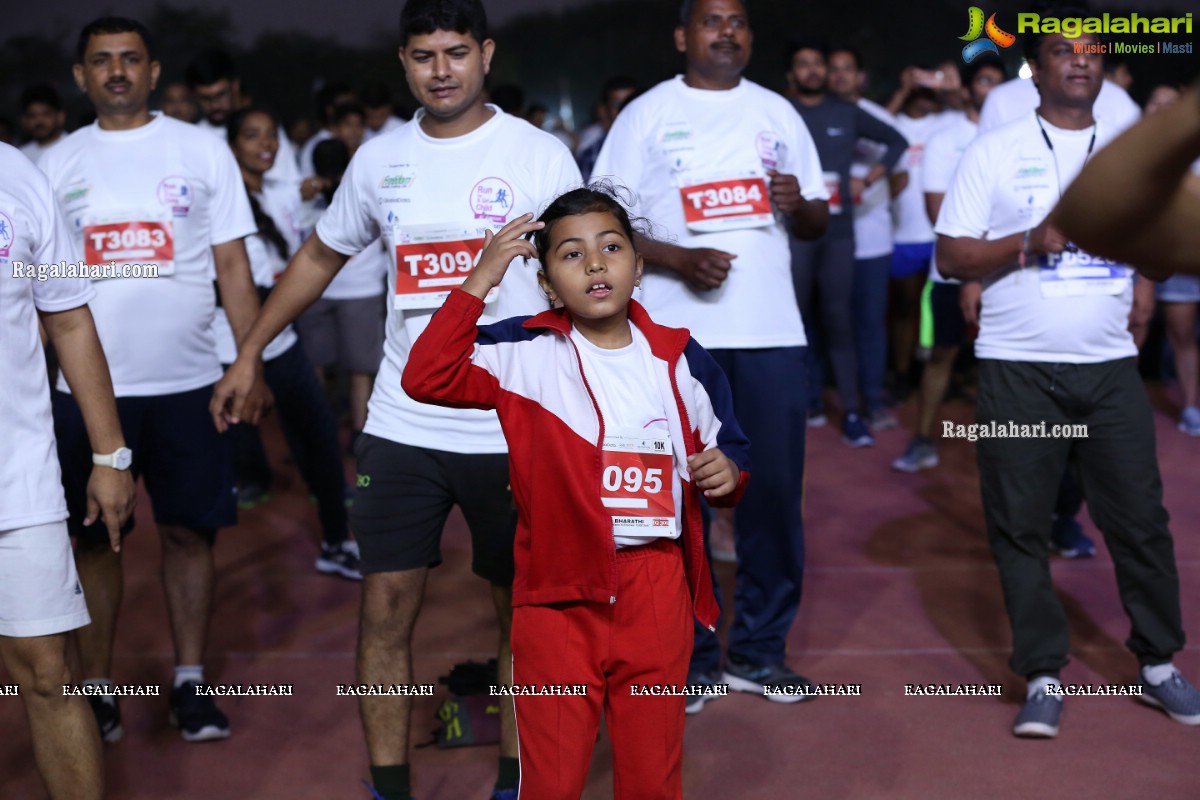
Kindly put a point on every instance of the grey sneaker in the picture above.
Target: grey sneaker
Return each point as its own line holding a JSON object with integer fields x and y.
{"x": 695, "y": 702}
{"x": 1039, "y": 717}
{"x": 919, "y": 455}
{"x": 745, "y": 677}
{"x": 883, "y": 420}
{"x": 1189, "y": 421}
{"x": 340, "y": 560}
{"x": 1175, "y": 696}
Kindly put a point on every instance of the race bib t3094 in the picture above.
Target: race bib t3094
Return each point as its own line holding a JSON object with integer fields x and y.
{"x": 433, "y": 259}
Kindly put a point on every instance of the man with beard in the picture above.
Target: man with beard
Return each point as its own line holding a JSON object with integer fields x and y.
{"x": 827, "y": 264}
{"x": 42, "y": 119}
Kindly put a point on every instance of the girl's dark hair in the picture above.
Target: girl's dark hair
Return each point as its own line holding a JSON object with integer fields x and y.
{"x": 266, "y": 226}
{"x": 594, "y": 198}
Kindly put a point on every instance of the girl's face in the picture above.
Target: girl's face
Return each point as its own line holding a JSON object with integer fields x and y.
{"x": 592, "y": 268}
{"x": 256, "y": 143}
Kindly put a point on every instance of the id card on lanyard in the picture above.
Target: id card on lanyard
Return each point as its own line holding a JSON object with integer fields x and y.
{"x": 637, "y": 485}
{"x": 1073, "y": 274}
{"x": 137, "y": 236}
{"x": 433, "y": 259}
{"x": 723, "y": 201}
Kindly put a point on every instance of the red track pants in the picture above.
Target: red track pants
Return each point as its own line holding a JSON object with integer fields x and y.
{"x": 644, "y": 638}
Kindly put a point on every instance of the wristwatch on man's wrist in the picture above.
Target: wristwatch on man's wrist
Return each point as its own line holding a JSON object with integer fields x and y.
{"x": 120, "y": 459}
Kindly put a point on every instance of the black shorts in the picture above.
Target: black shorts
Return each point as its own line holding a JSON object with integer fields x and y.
{"x": 404, "y": 495}
{"x": 187, "y": 465}
{"x": 949, "y": 327}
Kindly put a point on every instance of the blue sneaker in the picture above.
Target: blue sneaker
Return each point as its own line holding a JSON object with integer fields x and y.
{"x": 855, "y": 432}
{"x": 1189, "y": 421}
{"x": 504, "y": 794}
{"x": 1068, "y": 539}
{"x": 376, "y": 795}
{"x": 1175, "y": 696}
{"x": 746, "y": 677}
{"x": 1039, "y": 717}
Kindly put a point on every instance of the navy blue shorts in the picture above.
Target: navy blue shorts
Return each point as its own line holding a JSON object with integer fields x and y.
{"x": 187, "y": 465}
{"x": 909, "y": 259}
{"x": 949, "y": 326}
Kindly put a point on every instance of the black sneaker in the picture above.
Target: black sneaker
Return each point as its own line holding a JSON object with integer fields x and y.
{"x": 785, "y": 686}
{"x": 108, "y": 717}
{"x": 695, "y": 702}
{"x": 341, "y": 559}
{"x": 197, "y": 716}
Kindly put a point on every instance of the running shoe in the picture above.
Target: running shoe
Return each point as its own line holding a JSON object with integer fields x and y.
{"x": 695, "y": 702}
{"x": 1189, "y": 421}
{"x": 921, "y": 454}
{"x": 251, "y": 495}
{"x": 1175, "y": 696}
{"x": 855, "y": 432}
{"x": 108, "y": 717}
{"x": 817, "y": 419}
{"x": 883, "y": 420}
{"x": 1068, "y": 539}
{"x": 743, "y": 676}
{"x": 1039, "y": 717}
{"x": 341, "y": 559}
{"x": 197, "y": 715}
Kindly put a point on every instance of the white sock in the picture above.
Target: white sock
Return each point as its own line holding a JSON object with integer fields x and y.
{"x": 189, "y": 672}
{"x": 1158, "y": 674}
{"x": 97, "y": 682}
{"x": 1038, "y": 686}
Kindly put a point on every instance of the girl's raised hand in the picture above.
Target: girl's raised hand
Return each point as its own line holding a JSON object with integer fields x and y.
{"x": 499, "y": 250}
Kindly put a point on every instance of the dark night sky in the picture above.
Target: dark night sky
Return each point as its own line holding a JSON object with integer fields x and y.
{"x": 350, "y": 21}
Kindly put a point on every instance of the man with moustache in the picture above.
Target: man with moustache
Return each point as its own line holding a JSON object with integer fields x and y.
{"x": 1054, "y": 348}
{"x": 141, "y": 187}
{"x": 727, "y": 168}
{"x": 42, "y": 119}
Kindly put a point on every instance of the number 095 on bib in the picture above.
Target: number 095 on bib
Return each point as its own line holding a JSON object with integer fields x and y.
{"x": 636, "y": 485}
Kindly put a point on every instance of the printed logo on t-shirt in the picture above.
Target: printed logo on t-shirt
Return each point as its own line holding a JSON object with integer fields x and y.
{"x": 396, "y": 181}
{"x": 7, "y": 234}
{"x": 492, "y": 199}
{"x": 771, "y": 149}
{"x": 174, "y": 192}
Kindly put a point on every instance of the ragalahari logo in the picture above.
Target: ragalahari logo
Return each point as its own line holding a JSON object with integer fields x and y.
{"x": 976, "y": 28}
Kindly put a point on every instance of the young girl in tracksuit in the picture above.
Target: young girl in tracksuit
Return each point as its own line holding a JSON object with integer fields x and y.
{"x": 614, "y": 426}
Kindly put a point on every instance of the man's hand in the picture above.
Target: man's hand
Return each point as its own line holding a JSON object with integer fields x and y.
{"x": 713, "y": 472}
{"x": 785, "y": 192}
{"x": 240, "y": 396}
{"x": 111, "y": 496}
{"x": 970, "y": 300}
{"x": 1046, "y": 238}
{"x": 705, "y": 268}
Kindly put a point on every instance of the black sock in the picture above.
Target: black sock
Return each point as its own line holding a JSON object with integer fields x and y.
{"x": 510, "y": 772}
{"x": 392, "y": 782}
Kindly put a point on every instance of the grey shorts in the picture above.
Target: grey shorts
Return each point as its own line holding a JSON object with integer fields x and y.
{"x": 344, "y": 333}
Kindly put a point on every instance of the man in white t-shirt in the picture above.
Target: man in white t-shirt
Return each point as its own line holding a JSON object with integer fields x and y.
{"x": 40, "y": 595}
{"x": 376, "y": 99}
{"x": 432, "y": 188}
{"x": 1055, "y": 350}
{"x": 1015, "y": 99}
{"x": 724, "y": 168}
{"x": 42, "y": 120}
{"x": 150, "y": 195}
{"x": 218, "y": 91}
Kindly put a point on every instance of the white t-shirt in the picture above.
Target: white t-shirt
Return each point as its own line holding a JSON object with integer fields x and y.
{"x": 942, "y": 154}
{"x": 1076, "y": 312}
{"x": 284, "y": 169}
{"x": 182, "y": 184}
{"x": 406, "y": 183}
{"x": 873, "y": 216}
{"x": 676, "y": 144}
{"x": 365, "y": 275}
{"x": 1012, "y": 100}
{"x": 911, "y": 219}
{"x": 31, "y": 232}
{"x": 281, "y": 202}
{"x": 34, "y": 151}
{"x": 390, "y": 124}
{"x": 625, "y": 386}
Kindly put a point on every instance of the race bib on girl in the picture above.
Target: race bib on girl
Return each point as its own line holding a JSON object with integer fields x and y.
{"x": 636, "y": 485}
{"x": 723, "y": 202}
{"x": 433, "y": 259}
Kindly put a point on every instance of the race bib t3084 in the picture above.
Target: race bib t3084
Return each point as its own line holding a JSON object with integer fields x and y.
{"x": 722, "y": 202}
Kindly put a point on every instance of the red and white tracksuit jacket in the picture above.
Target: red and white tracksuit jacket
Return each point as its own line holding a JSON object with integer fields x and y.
{"x": 528, "y": 369}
